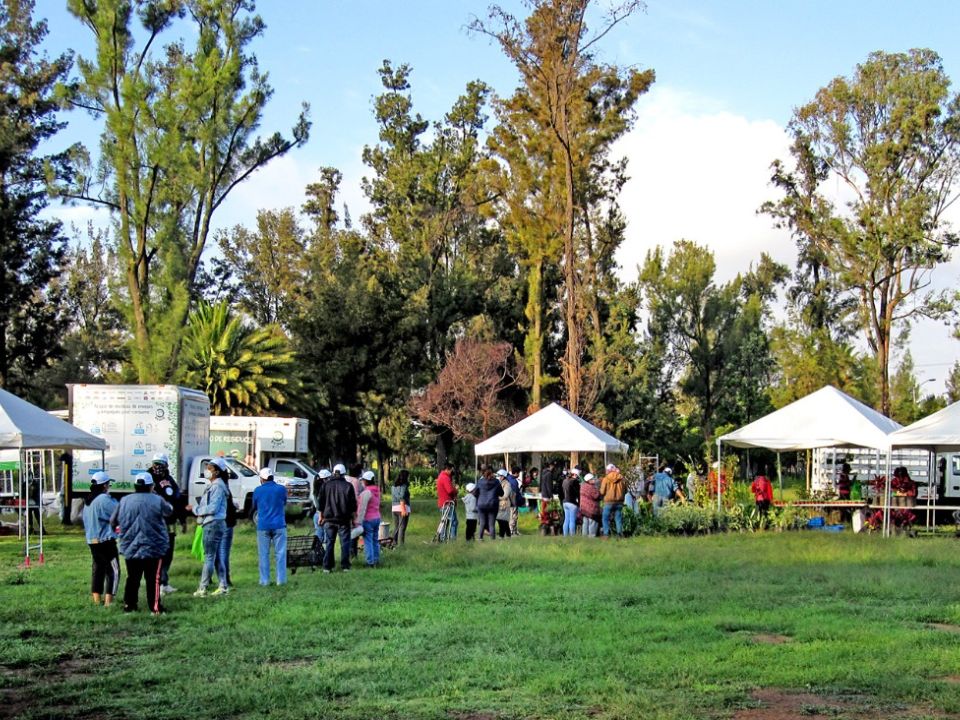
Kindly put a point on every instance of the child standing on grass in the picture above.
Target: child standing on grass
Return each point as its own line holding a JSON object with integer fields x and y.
{"x": 470, "y": 507}
{"x": 102, "y": 539}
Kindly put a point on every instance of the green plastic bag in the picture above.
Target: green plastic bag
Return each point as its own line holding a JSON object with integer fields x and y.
{"x": 197, "y": 549}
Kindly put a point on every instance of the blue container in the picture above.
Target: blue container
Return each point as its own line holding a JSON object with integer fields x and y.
{"x": 834, "y": 528}
{"x": 816, "y": 522}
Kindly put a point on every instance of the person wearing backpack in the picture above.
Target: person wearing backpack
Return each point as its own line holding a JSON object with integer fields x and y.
{"x": 489, "y": 492}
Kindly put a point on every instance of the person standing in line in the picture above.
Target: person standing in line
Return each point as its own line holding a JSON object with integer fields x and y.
{"x": 489, "y": 492}
{"x": 505, "y": 505}
{"x": 447, "y": 492}
{"x": 338, "y": 512}
{"x": 762, "y": 490}
{"x": 270, "y": 505}
{"x": 98, "y": 508}
{"x": 570, "y": 491}
{"x": 590, "y": 506}
{"x": 470, "y": 508}
{"x": 663, "y": 489}
{"x": 369, "y": 513}
{"x": 400, "y": 506}
{"x": 353, "y": 477}
{"x": 166, "y": 487}
{"x": 230, "y": 522}
{"x": 141, "y": 521}
{"x": 547, "y": 478}
{"x": 211, "y": 514}
{"x": 516, "y": 487}
{"x": 613, "y": 488}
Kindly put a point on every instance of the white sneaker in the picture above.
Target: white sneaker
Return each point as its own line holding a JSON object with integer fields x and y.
{"x": 200, "y": 593}
{"x": 220, "y": 591}
{"x": 167, "y": 589}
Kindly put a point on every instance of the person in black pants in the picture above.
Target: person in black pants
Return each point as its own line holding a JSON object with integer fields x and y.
{"x": 489, "y": 492}
{"x": 141, "y": 520}
{"x": 338, "y": 511}
{"x": 98, "y": 508}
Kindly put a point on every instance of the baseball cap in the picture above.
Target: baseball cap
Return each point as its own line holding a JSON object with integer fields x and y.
{"x": 266, "y": 473}
{"x": 161, "y": 459}
{"x": 143, "y": 479}
{"x": 588, "y": 477}
{"x": 368, "y": 475}
{"x": 99, "y": 478}
{"x": 339, "y": 468}
{"x": 611, "y": 467}
{"x": 219, "y": 462}
{"x": 324, "y": 474}
{"x": 501, "y": 472}
{"x": 668, "y": 471}
{"x": 575, "y": 471}
{"x": 471, "y": 487}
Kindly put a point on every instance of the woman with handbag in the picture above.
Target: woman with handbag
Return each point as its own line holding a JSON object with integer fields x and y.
{"x": 400, "y": 499}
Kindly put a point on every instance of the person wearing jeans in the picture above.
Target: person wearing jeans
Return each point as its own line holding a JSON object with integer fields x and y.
{"x": 211, "y": 514}
{"x": 368, "y": 510}
{"x": 489, "y": 492}
{"x": 590, "y": 505}
{"x": 269, "y": 506}
{"x": 337, "y": 505}
{"x": 570, "y": 490}
{"x": 613, "y": 488}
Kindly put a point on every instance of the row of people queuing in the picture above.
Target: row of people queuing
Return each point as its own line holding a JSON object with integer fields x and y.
{"x": 142, "y": 527}
{"x": 596, "y": 504}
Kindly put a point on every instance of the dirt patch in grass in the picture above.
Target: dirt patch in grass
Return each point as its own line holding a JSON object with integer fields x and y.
{"x": 946, "y": 627}
{"x": 771, "y": 639}
{"x": 951, "y": 679}
{"x": 457, "y": 715}
{"x": 777, "y": 704}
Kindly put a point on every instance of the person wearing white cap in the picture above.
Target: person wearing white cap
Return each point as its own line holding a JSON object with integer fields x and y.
{"x": 590, "y": 505}
{"x": 141, "y": 520}
{"x": 98, "y": 507}
{"x": 230, "y": 522}
{"x": 504, "y": 505}
{"x": 368, "y": 512}
{"x": 211, "y": 514}
{"x": 338, "y": 510}
{"x": 470, "y": 509}
{"x": 269, "y": 507}
{"x": 663, "y": 489}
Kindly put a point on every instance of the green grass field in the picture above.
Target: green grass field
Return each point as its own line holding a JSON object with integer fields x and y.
{"x": 707, "y": 627}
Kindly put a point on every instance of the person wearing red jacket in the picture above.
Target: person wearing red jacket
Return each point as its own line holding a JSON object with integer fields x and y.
{"x": 447, "y": 492}
{"x": 762, "y": 491}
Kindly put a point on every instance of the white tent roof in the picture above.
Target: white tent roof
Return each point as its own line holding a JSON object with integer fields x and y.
{"x": 825, "y": 418}
{"x": 23, "y": 425}
{"x": 551, "y": 429}
{"x": 940, "y": 431}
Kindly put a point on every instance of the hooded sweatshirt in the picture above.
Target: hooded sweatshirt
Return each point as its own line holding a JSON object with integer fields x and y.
{"x": 369, "y": 505}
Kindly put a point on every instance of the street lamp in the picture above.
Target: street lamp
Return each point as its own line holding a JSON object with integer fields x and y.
{"x": 916, "y": 387}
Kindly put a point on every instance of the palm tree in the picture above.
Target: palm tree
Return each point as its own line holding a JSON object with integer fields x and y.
{"x": 243, "y": 369}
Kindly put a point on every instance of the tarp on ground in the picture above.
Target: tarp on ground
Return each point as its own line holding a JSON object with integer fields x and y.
{"x": 939, "y": 432}
{"x": 551, "y": 429}
{"x": 23, "y": 425}
{"x": 825, "y": 418}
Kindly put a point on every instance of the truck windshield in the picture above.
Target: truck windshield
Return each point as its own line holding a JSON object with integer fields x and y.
{"x": 239, "y": 468}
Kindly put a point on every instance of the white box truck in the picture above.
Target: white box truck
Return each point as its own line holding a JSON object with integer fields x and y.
{"x": 275, "y": 442}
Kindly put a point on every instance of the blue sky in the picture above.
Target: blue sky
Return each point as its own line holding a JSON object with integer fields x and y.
{"x": 729, "y": 74}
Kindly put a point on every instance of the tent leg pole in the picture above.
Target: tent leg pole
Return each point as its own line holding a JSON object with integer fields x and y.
{"x": 780, "y": 477}
{"x": 886, "y": 499}
{"x": 719, "y": 477}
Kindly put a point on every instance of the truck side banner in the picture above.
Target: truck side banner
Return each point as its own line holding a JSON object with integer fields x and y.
{"x": 137, "y": 421}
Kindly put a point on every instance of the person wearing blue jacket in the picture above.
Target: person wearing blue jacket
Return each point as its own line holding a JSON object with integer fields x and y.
{"x": 211, "y": 514}
{"x": 489, "y": 492}
{"x": 663, "y": 489}
{"x": 140, "y": 518}
{"x": 269, "y": 505}
{"x": 98, "y": 508}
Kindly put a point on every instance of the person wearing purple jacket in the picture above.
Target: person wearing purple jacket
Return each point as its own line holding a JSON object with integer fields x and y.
{"x": 269, "y": 507}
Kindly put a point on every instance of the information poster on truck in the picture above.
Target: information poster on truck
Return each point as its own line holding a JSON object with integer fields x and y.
{"x": 137, "y": 421}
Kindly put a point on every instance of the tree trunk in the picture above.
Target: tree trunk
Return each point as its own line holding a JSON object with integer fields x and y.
{"x": 444, "y": 443}
{"x": 534, "y": 340}
{"x": 572, "y": 368}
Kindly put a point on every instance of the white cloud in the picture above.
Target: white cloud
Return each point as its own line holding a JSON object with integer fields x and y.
{"x": 700, "y": 173}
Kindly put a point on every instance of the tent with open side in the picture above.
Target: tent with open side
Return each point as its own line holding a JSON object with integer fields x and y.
{"x": 551, "y": 429}
{"x": 24, "y": 426}
{"x": 936, "y": 433}
{"x": 825, "y": 418}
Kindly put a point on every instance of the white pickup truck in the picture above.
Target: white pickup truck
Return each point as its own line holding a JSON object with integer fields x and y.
{"x": 244, "y": 480}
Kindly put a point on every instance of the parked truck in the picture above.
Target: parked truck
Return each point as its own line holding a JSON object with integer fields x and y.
{"x": 139, "y": 421}
{"x": 277, "y": 443}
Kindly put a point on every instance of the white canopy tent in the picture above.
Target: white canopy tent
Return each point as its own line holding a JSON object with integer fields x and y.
{"x": 551, "y": 429}
{"x": 825, "y": 418}
{"x": 936, "y": 433}
{"x": 24, "y": 426}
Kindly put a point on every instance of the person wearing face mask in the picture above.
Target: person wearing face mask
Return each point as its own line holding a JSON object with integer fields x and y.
{"x": 211, "y": 514}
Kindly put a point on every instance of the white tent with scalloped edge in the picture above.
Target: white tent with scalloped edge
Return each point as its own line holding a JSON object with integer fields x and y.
{"x": 551, "y": 429}
{"x": 825, "y": 418}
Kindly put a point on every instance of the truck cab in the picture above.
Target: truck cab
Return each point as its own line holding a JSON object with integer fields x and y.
{"x": 243, "y": 480}
{"x": 297, "y": 477}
